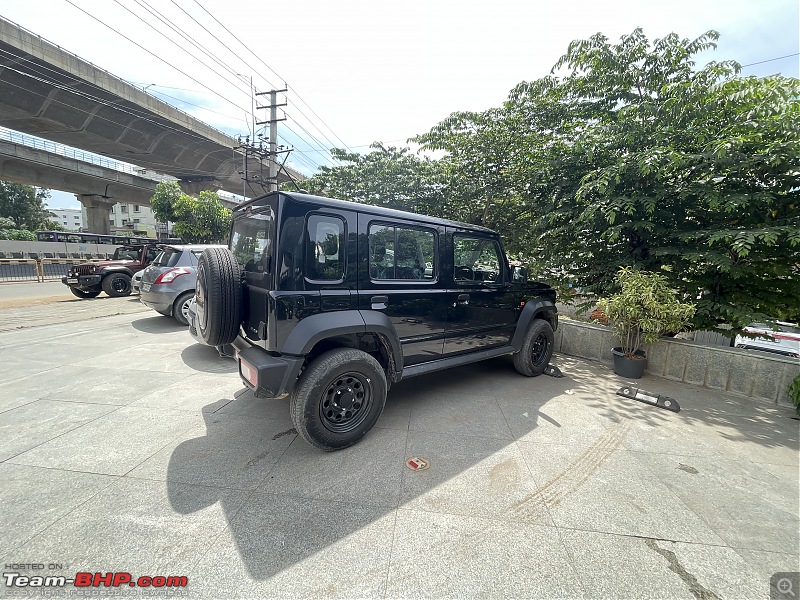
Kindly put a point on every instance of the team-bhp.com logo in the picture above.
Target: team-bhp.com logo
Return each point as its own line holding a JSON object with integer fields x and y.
{"x": 85, "y": 580}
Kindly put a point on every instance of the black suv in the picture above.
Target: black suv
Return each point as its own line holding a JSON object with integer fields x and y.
{"x": 332, "y": 301}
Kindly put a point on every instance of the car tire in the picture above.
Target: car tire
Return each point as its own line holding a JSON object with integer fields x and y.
{"x": 180, "y": 310}
{"x": 84, "y": 293}
{"x": 219, "y": 296}
{"x": 117, "y": 285}
{"x": 338, "y": 399}
{"x": 537, "y": 348}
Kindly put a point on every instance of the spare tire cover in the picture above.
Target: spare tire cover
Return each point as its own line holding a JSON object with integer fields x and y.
{"x": 219, "y": 296}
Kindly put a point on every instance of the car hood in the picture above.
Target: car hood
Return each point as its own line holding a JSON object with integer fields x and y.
{"x": 114, "y": 263}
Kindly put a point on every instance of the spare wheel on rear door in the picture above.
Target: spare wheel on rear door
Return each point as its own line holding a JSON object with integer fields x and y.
{"x": 219, "y": 296}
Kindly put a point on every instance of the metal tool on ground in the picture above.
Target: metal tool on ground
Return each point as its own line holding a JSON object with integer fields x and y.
{"x": 658, "y": 400}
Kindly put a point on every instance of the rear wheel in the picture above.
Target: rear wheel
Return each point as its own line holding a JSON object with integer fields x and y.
{"x": 219, "y": 296}
{"x": 84, "y": 293}
{"x": 117, "y": 285}
{"x": 537, "y": 348}
{"x": 180, "y": 310}
{"x": 339, "y": 398}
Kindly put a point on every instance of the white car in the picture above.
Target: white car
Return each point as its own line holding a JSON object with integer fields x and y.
{"x": 780, "y": 337}
{"x": 136, "y": 281}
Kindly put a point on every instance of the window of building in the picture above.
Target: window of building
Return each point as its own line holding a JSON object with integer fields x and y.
{"x": 325, "y": 251}
{"x": 135, "y": 208}
{"x": 123, "y": 208}
{"x": 136, "y": 220}
{"x": 402, "y": 253}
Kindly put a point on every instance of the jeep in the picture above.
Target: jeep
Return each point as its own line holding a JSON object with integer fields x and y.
{"x": 110, "y": 276}
{"x": 330, "y": 302}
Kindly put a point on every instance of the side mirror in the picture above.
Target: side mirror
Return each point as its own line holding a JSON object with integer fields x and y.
{"x": 519, "y": 274}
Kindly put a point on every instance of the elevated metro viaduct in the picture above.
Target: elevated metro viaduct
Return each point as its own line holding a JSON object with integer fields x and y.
{"x": 50, "y": 93}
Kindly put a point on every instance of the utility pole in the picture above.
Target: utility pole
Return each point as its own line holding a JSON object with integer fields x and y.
{"x": 273, "y": 105}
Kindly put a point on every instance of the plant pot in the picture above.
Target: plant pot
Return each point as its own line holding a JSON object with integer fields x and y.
{"x": 630, "y": 368}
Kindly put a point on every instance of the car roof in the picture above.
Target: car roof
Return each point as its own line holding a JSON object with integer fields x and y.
{"x": 182, "y": 247}
{"x": 335, "y": 204}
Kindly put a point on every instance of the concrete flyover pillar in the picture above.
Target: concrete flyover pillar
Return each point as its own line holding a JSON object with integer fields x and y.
{"x": 97, "y": 212}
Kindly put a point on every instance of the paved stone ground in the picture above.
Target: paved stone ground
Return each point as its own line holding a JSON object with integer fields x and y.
{"x": 124, "y": 446}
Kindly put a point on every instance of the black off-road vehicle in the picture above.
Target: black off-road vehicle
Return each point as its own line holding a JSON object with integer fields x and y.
{"x": 332, "y": 301}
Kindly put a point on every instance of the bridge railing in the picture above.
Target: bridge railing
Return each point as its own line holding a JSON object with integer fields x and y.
{"x": 39, "y": 269}
{"x": 32, "y": 141}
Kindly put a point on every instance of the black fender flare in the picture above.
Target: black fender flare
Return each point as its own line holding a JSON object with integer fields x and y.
{"x": 533, "y": 309}
{"x": 312, "y": 330}
{"x": 109, "y": 270}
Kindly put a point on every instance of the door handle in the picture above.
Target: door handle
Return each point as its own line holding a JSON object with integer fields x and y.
{"x": 379, "y": 302}
{"x": 463, "y": 299}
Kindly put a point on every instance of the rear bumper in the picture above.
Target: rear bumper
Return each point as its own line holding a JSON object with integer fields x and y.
{"x": 268, "y": 376}
{"x": 159, "y": 301}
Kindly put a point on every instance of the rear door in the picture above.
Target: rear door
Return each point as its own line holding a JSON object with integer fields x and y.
{"x": 252, "y": 238}
{"x": 399, "y": 275}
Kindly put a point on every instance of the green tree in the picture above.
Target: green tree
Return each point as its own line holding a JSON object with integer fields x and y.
{"x": 164, "y": 199}
{"x": 385, "y": 176}
{"x": 24, "y": 205}
{"x": 634, "y": 157}
{"x": 198, "y": 220}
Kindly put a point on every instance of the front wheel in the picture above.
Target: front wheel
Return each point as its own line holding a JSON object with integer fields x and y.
{"x": 117, "y": 285}
{"x": 537, "y": 348}
{"x": 338, "y": 399}
{"x": 84, "y": 293}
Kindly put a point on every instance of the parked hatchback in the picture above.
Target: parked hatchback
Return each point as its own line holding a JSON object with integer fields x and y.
{"x": 168, "y": 283}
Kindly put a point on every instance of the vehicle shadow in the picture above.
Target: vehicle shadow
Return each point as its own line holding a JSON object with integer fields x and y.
{"x": 288, "y": 504}
{"x": 207, "y": 359}
{"x": 158, "y": 324}
{"x": 251, "y": 444}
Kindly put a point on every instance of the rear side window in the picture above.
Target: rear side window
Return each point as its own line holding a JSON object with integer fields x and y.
{"x": 401, "y": 253}
{"x": 325, "y": 249}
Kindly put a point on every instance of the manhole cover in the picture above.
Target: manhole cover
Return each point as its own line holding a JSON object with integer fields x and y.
{"x": 417, "y": 463}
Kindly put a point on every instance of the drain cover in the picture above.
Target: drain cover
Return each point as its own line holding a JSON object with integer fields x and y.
{"x": 417, "y": 463}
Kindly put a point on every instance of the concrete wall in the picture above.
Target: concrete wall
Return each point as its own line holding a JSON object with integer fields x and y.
{"x": 9, "y": 246}
{"x": 754, "y": 374}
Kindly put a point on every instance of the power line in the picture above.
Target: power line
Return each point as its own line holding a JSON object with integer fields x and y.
{"x": 180, "y": 32}
{"x": 761, "y": 62}
{"x": 174, "y": 27}
{"x": 153, "y": 54}
{"x": 246, "y": 47}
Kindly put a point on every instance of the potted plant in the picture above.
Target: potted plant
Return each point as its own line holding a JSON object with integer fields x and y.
{"x": 644, "y": 309}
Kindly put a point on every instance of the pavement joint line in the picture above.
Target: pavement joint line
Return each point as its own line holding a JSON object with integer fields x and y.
{"x": 19, "y": 406}
{"x": 648, "y": 537}
{"x": 69, "y": 512}
{"x": 206, "y": 486}
{"x": 65, "y": 432}
{"x": 391, "y": 553}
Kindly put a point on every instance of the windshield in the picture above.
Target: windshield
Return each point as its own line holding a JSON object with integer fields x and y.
{"x": 128, "y": 253}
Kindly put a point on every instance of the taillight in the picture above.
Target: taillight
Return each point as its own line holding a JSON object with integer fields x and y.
{"x": 248, "y": 372}
{"x": 171, "y": 275}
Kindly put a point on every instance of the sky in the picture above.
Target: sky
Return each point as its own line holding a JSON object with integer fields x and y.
{"x": 361, "y": 71}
